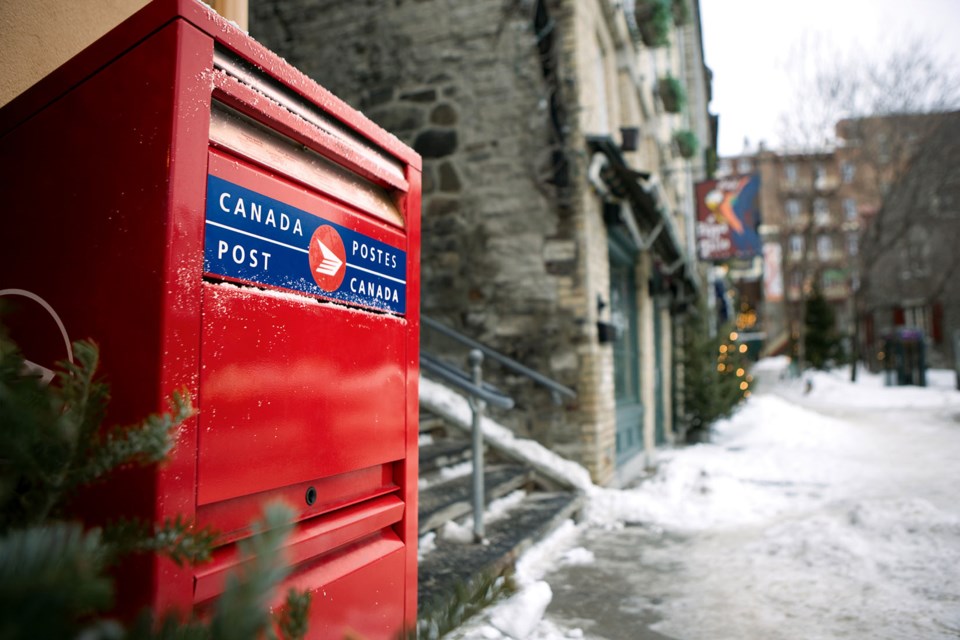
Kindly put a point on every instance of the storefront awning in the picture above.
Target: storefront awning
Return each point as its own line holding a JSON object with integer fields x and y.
{"x": 647, "y": 219}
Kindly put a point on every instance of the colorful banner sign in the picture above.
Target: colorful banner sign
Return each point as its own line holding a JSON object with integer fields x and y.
{"x": 728, "y": 215}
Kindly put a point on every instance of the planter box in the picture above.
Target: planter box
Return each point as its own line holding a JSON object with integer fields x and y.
{"x": 654, "y": 18}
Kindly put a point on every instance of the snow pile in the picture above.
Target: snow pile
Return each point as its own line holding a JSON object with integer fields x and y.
{"x": 455, "y": 408}
{"x": 462, "y": 532}
{"x": 541, "y": 558}
{"x": 792, "y": 523}
{"x": 577, "y": 556}
{"x": 459, "y": 470}
{"x": 738, "y": 478}
{"x": 427, "y": 543}
{"x": 521, "y": 616}
{"x": 776, "y": 364}
{"x": 824, "y": 527}
{"x": 858, "y": 568}
{"x": 834, "y": 389}
{"x": 521, "y": 613}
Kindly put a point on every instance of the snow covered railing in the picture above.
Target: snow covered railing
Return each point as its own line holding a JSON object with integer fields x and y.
{"x": 479, "y": 394}
{"x": 455, "y": 409}
{"x": 455, "y": 377}
{"x": 557, "y": 390}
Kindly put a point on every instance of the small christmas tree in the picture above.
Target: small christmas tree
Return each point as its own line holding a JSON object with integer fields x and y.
{"x": 715, "y": 378}
{"x": 821, "y": 341}
{"x": 54, "y": 580}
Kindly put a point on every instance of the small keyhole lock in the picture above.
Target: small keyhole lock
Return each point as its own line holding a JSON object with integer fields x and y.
{"x": 311, "y": 496}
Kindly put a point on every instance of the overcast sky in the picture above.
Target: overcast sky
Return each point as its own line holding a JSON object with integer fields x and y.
{"x": 754, "y": 49}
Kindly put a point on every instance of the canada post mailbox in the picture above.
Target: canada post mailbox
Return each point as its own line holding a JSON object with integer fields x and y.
{"x": 218, "y": 222}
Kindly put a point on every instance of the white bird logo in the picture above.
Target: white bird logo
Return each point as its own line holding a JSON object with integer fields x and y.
{"x": 330, "y": 264}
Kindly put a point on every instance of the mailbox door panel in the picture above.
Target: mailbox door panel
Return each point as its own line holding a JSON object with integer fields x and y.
{"x": 293, "y": 389}
{"x": 359, "y": 593}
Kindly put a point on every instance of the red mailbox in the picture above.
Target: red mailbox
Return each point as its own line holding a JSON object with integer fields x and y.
{"x": 217, "y": 221}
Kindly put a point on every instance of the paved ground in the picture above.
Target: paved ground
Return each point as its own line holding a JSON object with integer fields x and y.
{"x": 851, "y": 529}
{"x": 616, "y": 596}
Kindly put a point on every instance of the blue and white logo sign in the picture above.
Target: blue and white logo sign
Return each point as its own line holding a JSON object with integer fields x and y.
{"x": 258, "y": 239}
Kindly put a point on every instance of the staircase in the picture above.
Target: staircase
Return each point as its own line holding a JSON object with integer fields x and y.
{"x": 525, "y": 502}
{"x": 528, "y": 490}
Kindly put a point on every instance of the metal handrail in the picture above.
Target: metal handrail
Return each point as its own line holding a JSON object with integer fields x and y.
{"x": 460, "y": 379}
{"x": 555, "y": 388}
{"x": 480, "y": 394}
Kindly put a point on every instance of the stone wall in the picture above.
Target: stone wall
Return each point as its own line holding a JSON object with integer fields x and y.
{"x": 465, "y": 84}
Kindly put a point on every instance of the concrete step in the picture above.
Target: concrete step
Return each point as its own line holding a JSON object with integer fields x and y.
{"x": 453, "y": 571}
{"x": 456, "y": 577}
{"x": 431, "y": 424}
{"x": 451, "y": 499}
{"x": 443, "y": 453}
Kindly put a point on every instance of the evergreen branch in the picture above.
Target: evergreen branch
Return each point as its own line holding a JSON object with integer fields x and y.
{"x": 35, "y": 444}
{"x": 292, "y": 620}
{"x": 468, "y": 599}
{"x": 146, "y": 443}
{"x": 242, "y": 610}
{"x": 84, "y": 400}
{"x": 176, "y": 538}
{"x": 81, "y": 403}
{"x": 184, "y": 544}
{"x": 53, "y": 581}
{"x": 51, "y": 576}
{"x": 171, "y": 627}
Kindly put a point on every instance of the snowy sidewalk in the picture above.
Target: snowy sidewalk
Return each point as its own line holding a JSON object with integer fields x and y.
{"x": 826, "y": 515}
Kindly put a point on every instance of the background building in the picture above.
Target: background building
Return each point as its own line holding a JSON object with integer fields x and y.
{"x": 906, "y": 184}
{"x": 868, "y": 223}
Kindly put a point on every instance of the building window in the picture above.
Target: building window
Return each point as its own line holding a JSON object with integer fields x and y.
{"x": 917, "y": 317}
{"x": 853, "y": 244}
{"x": 796, "y": 285}
{"x": 744, "y": 166}
{"x": 824, "y": 247}
{"x": 833, "y": 282}
{"x": 915, "y": 254}
{"x": 821, "y": 211}
{"x": 849, "y": 208}
{"x": 793, "y": 210}
{"x": 796, "y": 245}
{"x": 790, "y": 173}
{"x": 819, "y": 177}
{"x": 848, "y": 170}
{"x": 883, "y": 148}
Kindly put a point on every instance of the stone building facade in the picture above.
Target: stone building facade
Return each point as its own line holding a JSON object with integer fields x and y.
{"x": 544, "y": 236}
